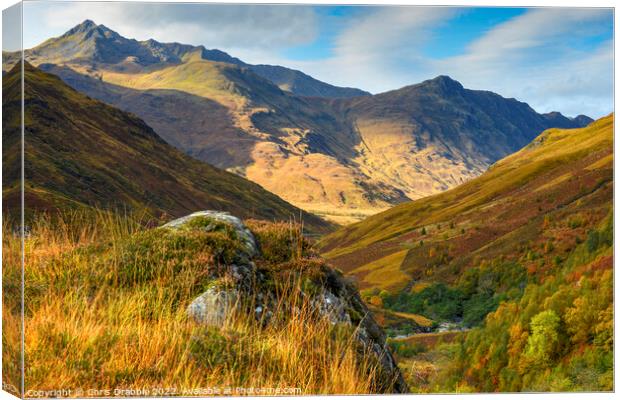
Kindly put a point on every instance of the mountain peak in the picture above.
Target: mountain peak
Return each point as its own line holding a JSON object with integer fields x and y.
{"x": 446, "y": 83}
{"x": 85, "y": 26}
{"x": 88, "y": 27}
{"x": 443, "y": 84}
{"x": 583, "y": 120}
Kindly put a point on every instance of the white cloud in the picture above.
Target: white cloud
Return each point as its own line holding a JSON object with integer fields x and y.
{"x": 241, "y": 27}
{"x": 533, "y": 57}
{"x": 370, "y": 53}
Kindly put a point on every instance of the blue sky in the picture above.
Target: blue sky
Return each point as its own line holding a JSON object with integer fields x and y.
{"x": 553, "y": 58}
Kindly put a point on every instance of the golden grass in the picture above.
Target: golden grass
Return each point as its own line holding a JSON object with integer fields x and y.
{"x": 384, "y": 273}
{"x": 609, "y": 159}
{"x": 11, "y": 307}
{"x": 419, "y": 286}
{"x": 83, "y": 331}
{"x": 201, "y": 78}
{"x": 417, "y": 318}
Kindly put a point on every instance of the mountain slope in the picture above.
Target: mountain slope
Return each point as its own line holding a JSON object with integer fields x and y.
{"x": 301, "y": 84}
{"x": 83, "y": 152}
{"x": 518, "y": 263}
{"x": 429, "y": 137}
{"x": 560, "y": 175}
{"x": 343, "y": 158}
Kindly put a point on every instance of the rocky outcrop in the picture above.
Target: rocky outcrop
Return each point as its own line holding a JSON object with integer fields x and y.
{"x": 335, "y": 298}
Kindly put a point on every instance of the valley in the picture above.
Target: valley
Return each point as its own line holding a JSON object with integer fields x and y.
{"x": 338, "y": 152}
{"x": 200, "y": 221}
{"x": 529, "y": 238}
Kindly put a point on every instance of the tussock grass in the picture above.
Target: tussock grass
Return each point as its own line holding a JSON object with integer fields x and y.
{"x": 105, "y": 310}
{"x": 11, "y": 307}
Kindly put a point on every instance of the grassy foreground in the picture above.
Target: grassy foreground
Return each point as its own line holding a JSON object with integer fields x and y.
{"x": 105, "y": 311}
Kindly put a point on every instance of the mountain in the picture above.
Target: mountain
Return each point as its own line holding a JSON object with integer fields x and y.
{"x": 432, "y": 136}
{"x": 342, "y": 158}
{"x": 301, "y": 84}
{"x": 82, "y": 152}
{"x": 89, "y": 43}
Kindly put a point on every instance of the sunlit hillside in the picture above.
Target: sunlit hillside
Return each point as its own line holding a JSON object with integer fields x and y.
{"x": 517, "y": 264}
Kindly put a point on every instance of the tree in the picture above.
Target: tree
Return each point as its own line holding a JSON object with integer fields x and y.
{"x": 543, "y": 343}
{"x": 592, "y": 241}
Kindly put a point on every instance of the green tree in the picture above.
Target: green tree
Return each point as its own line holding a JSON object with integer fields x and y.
{"x": 543, "y": 343}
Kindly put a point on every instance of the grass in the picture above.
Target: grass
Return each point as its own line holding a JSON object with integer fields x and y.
{"x": 384, "y": 273}
{"x": 11, "y": 307}
{"x": 419, "y": 319}
{"x": 106, "y": 303}
{"x": 202, "y": 78}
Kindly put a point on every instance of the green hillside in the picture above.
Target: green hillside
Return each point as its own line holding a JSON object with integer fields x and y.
{"x": 81, "y": 152}
{"x": 522, "y": 256}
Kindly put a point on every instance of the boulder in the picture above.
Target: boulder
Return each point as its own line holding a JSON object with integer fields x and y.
{"x": 341, "y": 302}
{"x": 247, "y": 240}
{"x": 337, "y": 299}
{"x": 213, "y": 306}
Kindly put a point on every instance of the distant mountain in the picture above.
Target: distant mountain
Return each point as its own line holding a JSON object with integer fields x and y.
{"x": 301, "y": 84}
{"x": 344, "y": 158}
{"x": 81, "y": 152}
{"x": 432, "y": 136}
{"x": 90, "y": 44}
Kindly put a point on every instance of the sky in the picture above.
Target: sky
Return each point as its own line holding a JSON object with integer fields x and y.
{"x": 555, "y": 59}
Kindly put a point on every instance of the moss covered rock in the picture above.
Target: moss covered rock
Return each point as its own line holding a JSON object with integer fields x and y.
{"x": 275, "y": 274}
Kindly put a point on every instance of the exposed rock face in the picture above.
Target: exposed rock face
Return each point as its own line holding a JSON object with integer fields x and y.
{"x": 336, "y": 299}
{"x": 341, "y": 303}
